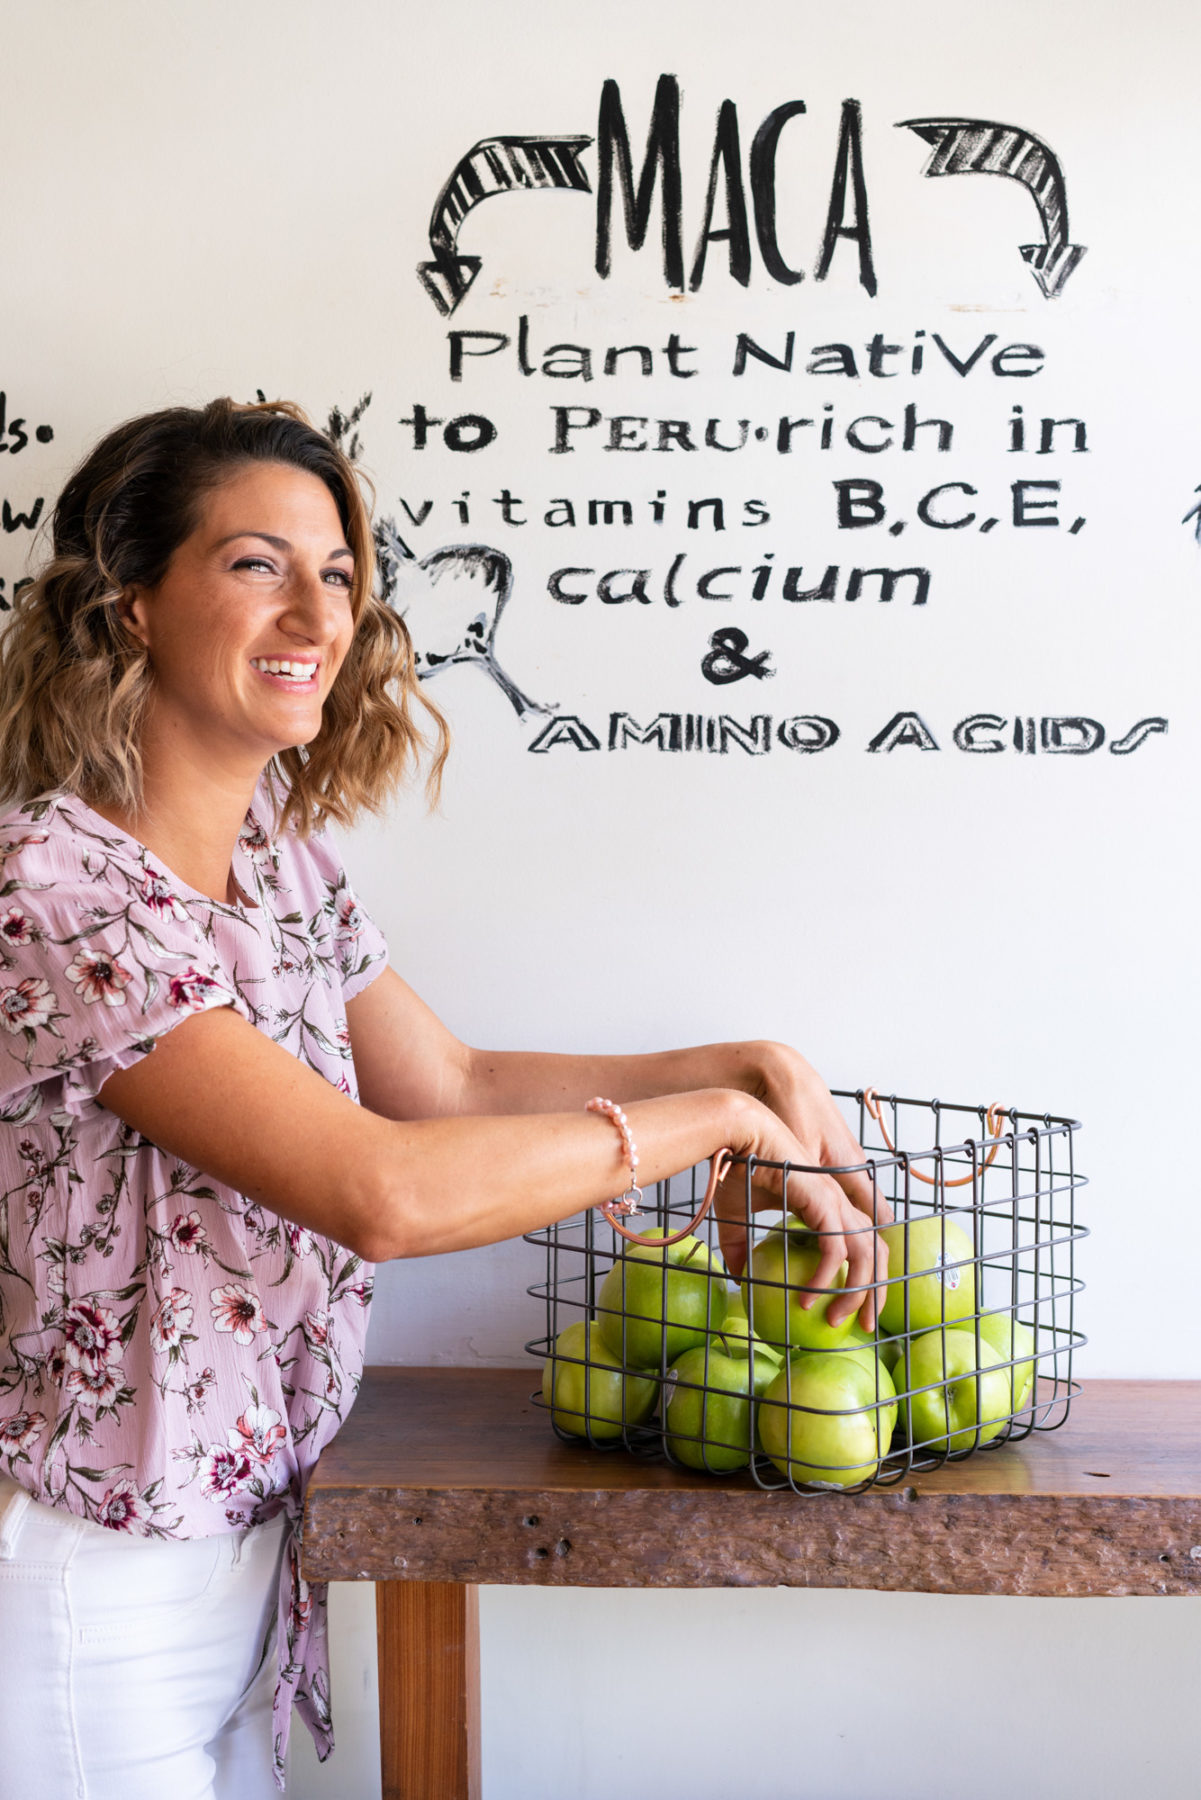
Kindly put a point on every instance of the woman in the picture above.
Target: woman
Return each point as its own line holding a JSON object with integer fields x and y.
{"x": 221, "y": 1105}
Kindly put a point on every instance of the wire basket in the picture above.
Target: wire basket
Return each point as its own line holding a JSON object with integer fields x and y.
{"x": 645, "y": 1348}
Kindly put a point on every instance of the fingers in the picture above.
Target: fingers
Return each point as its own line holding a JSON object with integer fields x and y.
{"x": 841, "y": 1209}
{"x": 809, "y": 1109}
{"x": 845, "y": 1235}
{"x": 732, "y": 1211}
{"x": 867, "y": 1274}
{"x": 820, "y": 1203}
{"x": 732, "y": 1238}
{"x": 864, "y": 1195}
{"x": 867, "y": 1254}
{"x": 833, "y": 1248}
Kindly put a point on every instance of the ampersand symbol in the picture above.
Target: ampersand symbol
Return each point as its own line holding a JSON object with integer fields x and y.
{"x": 726, "y": 661}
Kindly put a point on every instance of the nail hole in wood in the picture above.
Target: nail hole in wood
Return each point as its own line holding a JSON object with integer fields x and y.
{"x": 531, "y": 1520}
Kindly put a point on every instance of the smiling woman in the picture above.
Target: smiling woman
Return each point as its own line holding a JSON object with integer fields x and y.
{"x": 218, "y": 1104}
{"x": 77, "y": 682}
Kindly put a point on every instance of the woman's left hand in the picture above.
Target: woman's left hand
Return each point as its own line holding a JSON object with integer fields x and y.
{"x": 797, "y": 1094}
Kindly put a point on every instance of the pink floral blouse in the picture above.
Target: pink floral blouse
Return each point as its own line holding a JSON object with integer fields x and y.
{"x": 173, "y": 1358}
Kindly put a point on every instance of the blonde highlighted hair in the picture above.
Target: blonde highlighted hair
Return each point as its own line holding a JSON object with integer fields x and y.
{"x": 75, "y": 684}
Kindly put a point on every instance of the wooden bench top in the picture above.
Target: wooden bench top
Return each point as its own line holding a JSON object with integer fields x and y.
{"x": 454, "y": 1475}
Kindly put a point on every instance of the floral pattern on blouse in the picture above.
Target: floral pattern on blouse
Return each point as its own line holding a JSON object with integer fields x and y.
{"x": 173, "y": 1357}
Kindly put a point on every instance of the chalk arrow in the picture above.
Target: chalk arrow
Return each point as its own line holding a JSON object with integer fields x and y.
{"x": 499, "y": 165}
{"x": 976, "y": 147}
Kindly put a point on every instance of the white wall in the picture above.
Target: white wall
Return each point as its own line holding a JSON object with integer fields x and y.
{"x": 210, "y": 198}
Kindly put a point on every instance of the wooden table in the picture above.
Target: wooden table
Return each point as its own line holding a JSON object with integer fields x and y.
{"x": 444, "y": 1479}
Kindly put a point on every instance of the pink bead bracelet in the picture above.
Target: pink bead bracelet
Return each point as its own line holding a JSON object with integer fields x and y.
{"x": 631, "y": 1201}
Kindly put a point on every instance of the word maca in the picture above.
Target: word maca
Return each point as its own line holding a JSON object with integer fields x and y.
{"x": 846, "y": 215}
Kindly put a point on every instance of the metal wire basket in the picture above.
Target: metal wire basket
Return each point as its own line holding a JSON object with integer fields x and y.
{"x": 644, "y": 1348}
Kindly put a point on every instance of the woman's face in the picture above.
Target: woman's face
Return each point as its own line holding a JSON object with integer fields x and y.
{"x": 249, "y": 626}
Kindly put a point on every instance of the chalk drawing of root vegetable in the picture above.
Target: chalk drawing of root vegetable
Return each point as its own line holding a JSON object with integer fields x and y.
{"x": 452, "y": 602}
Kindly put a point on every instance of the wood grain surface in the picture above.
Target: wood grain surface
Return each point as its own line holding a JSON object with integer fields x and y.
{"x": 454, "y": 1475}
{"x": 429, "y": 1658}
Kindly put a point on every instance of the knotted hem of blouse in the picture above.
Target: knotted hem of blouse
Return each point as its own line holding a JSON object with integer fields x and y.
{"x": 302, "y": 1647}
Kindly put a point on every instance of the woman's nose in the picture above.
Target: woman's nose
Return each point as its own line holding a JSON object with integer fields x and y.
{"x": 314, "y": 606}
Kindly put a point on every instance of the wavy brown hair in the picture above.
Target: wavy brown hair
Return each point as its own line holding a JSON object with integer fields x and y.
{"x": 75, "y": 684}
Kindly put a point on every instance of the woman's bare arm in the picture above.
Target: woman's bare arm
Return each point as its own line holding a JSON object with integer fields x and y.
{"x": 409, "y": 1065}
{"x": 225, "y": 1099}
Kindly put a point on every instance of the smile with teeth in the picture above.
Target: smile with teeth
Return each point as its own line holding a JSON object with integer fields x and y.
{"x": 290, "y": 668}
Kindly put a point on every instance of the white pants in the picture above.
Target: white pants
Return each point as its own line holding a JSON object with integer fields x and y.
{"x": 132, "y": 1668}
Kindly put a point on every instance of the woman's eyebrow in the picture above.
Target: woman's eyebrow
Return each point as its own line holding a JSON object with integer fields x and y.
{"x": 279, "y": 543}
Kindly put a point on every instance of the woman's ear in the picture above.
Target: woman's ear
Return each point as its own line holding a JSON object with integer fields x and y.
{"x": 130, "y": 608}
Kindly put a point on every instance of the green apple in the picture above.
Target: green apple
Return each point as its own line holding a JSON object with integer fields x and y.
{"x": 819, "y": 1421}
{"x": 1013, "y": 1342}
{"x": 944, "y": 1419}
{"x": 872, "y": 1358}
{"x": 588, "y": 1392}
{"x": 941, "y": 1273}
{"x": 781, "y": 1267}
{"x": 890, "y": 1351}
{"x": 708, "y": 1415}
{"x": 736, "y": 1319}
{"x": 654, "y": 1303}
{"x": 737, "y": 1339}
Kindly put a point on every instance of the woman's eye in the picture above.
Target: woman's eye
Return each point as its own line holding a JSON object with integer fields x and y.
{"x": 342, "y": 576}
{"x": 254, "y": 562}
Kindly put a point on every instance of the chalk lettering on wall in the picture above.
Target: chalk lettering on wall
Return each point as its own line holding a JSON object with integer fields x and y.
{"x": 575, "y": 584}
{"x": 810, "y": 733}
{"x": 904, "y": 729}
{"x": 727, "y": 660}
{"x": 1137, "y": 736}
{"x": 878, "y": 358}
{"x": 19, "y": 516}
{"x": 846, "y": 216}
{"x": 14, "y": 520}
{"x": 622, "y": 525}
{"x": 14, "y": 434}
{"x": 976, "y": 147}
{"x": 566, "y": 729}
{"x": 501, "y": 165}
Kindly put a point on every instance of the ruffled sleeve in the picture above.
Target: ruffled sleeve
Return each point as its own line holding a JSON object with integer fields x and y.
{"x": 99, "y": 956}
{"x": 359, "y": 946}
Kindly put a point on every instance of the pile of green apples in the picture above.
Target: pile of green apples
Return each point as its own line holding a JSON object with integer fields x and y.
{"x": 739, "y": 1371}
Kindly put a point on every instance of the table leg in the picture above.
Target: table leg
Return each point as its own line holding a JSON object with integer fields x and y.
{"x": 429, "y": 1689}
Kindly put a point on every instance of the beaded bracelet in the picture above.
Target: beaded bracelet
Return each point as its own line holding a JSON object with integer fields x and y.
{"x": 630, "y": 1203}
